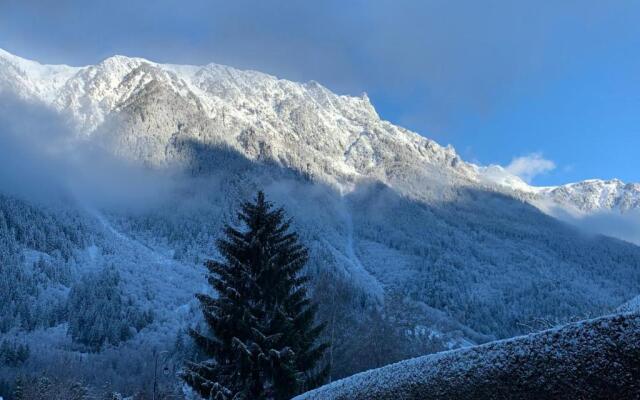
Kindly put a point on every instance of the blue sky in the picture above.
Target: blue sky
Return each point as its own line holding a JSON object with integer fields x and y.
{"x": 556, "y": 83}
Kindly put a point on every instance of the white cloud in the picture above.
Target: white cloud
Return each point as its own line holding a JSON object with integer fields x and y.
{"x": 529, "y": 166}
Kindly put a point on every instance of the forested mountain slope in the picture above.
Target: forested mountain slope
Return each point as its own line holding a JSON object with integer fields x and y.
{"x": 133, "y": 168}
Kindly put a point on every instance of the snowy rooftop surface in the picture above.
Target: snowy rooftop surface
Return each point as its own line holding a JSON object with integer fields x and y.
{"x": 597, "y": 358}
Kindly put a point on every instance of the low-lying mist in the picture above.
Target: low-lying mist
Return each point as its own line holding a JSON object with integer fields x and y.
{"x": 44, "y": 158}
{"x": 624, "y": 226}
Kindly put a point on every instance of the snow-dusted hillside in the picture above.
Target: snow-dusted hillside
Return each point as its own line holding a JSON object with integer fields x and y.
{"x": 193, "y": 117}
{"x": 597, "y": 195}
{"x": 31, "y": 80}
{"x": 448, "y": 253}
{"x": 303, "y": 126}
{"x": 591, "y": 359}
{"x": 336, "y": 139}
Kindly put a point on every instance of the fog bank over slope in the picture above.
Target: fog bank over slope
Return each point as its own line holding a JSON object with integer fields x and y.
{"x": 42, "y": 162}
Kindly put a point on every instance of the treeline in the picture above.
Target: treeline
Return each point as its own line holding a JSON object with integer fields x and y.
{"x": 48, "y": 387}
{"x": 33, "y": 292}
{"x": 100, "y": 314}
{"x": 493, "y": 263}
{"x": 50, "y": 289}
{"x": 52, "y": 231}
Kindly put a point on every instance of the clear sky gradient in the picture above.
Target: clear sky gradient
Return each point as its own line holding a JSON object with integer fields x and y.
{"x": 557, "y": 82}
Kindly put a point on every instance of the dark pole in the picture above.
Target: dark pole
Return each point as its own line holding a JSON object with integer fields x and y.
{"x": 155, "y": 377}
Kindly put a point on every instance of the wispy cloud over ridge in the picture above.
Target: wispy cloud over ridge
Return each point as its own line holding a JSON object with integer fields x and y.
{"x": 529, "y": 166}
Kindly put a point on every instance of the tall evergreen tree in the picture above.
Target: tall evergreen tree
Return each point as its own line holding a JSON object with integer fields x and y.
{"x": 263, "y": 342}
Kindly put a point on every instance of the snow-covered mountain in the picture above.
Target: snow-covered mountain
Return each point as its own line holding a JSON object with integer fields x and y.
{"x": 336, "y": 139}
{"x": 450, "y": 253}
{"x": 333, "y": 138}
{"x": 597, "y": 195}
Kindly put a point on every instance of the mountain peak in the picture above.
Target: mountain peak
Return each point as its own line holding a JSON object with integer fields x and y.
{"x": 120, "y": 60}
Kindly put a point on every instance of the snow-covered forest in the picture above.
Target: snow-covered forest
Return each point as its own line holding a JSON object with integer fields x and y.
{"x": 105, "y": 291}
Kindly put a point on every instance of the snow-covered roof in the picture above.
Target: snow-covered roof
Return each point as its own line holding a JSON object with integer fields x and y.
{"x": 597, "y": 358}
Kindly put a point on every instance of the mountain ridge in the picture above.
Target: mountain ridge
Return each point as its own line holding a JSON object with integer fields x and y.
{"x": 350, "y": 145}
